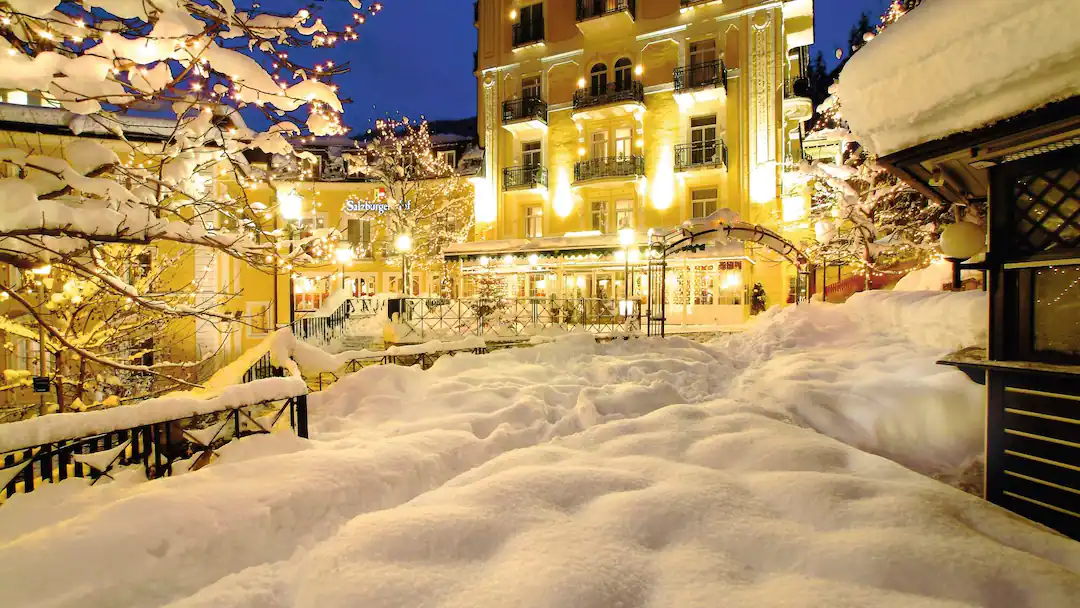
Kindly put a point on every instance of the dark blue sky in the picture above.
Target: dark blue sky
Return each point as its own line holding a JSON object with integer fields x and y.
{"x": 415, "y": 57}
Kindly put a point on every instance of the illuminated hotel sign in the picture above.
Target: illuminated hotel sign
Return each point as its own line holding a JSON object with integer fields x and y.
{"x": 371, "y": 207}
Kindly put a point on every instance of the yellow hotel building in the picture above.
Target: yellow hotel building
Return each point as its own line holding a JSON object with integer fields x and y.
{"x": 603, "y": 116}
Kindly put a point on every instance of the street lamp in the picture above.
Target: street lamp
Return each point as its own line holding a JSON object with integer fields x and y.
{"x": 291, "y": 208}
{"x": 626, "y": 239}
{"x": 959, "y": 242}
{"x": 42, "y": 272}
{"x": 344, "y": 255}
{"x": 403, "y": 245}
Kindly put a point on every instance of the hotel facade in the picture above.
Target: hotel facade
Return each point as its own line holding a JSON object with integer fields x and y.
{"x": 605, "y": 120}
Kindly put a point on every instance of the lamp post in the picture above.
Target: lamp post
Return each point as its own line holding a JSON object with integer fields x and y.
{"x": 344, "y": 255}
{"x": 959, "y": 242}
{"x": 42, "y": 272}
{"x": 403, "y": 244}
{"x": 626, "y": 239}
{"x": 291, "y": 208}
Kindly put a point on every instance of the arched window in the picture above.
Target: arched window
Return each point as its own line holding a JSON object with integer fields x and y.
{"x": 623, "y": 74}
{"x": 598, "y": 80}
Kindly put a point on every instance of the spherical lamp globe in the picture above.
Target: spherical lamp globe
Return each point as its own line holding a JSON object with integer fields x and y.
{"x": 962, "y": 240}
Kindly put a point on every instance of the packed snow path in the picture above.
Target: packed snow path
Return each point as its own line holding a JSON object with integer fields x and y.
{"x": 645, "y": 473}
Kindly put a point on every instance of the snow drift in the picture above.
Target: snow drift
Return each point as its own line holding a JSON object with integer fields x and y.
{"x": 650, "y": 473}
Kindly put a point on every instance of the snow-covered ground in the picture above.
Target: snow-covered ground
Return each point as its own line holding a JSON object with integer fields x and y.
{"x": 644, "y": 473}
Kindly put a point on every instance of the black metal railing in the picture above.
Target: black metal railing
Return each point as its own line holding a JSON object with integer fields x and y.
{"x": 701, "y": 75}
{"x": 154, "y": 446}
{"x": 533, "y": 176}
{"x": 712, "y": 153}
{"x": 524, "y": 34}
{"x": 610, "y": 166}
{"x": 686, "y": 3}
{"x": 612, "y": 93}
{"x": 589, "y": 9}
{"x": 528, "y": 108}
{"x": 797, "y": 87}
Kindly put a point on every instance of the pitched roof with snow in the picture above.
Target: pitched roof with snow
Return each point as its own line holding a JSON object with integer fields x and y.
{"x": 951, "y": 66}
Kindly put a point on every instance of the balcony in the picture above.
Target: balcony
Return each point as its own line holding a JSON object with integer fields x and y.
{"x": 609, "y": 168}
{"x": 701, "y": 82}
{"x": 522, "y": 116}
{"x": 710, "y": 154}
{"x": 525, "y": 34}
{"x": 797, "y": 103}
{"x": 611, "y": 102}
{"x": 532, "y": 177}
{"x": 690, "y": 4}
{"x": 602, "y": 16}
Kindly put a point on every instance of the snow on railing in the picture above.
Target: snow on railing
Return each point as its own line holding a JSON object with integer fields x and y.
{"x": 513, "y": 318}
{"x": 332, "y": 319}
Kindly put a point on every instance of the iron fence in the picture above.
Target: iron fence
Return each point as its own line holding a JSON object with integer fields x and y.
{"x": 423, "y": 319}
{"x": 524, "y": 177}
{"x": 589, "y": 9}
{"x": 528, "y": 108}
{"x": 712, "y": 153}
{"x": 612, "y": 93}
{"x": 155, "y": 447}
{"x": 325, "y": 328}
{"x": 610, "y": 166}
{"x": 709, "y": 73}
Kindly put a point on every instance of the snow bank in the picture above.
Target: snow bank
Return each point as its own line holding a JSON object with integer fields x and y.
{"x": 945, "y": 68}
{"x": 933, "y": 277}
{"x": 648, "y": 473}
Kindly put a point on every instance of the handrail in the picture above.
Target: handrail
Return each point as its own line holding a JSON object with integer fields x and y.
{"x": 527, "y": 108}
{"x": 590, "y": 9}
{"x": 612, "y": 93}
{"x": 708, "y": 153}
{"x": 529, "y": 176}
{"x": 609, "y": 166}
{"x": 700, "y": 75}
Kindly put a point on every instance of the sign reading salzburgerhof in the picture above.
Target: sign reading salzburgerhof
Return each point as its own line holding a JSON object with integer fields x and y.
{"x": 371, "y": 207}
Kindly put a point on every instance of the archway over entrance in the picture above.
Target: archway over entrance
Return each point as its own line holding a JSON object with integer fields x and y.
{"x": 716, "y": 229}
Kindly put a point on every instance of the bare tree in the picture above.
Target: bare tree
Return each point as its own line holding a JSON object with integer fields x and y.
{"x": 82, "y": 218}
{"x": 423, "y": 197}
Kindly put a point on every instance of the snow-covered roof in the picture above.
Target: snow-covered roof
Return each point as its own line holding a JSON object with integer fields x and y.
{"x": 951, "y": 66}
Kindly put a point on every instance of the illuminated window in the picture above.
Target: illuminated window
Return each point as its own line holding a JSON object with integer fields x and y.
{"x": 623, "y": 143}
{"x": 624, "y": 214}
{"x": 599, "y": 216}
{"x": 534, "y": 222}
{"x": 703, "y": 202}
{"x": 17, "y": 97}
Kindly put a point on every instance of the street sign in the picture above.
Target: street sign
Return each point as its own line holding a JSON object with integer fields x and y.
{"x": 41, "y": 384}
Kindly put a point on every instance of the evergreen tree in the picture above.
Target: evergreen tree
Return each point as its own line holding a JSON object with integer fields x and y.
{"x": 862, "y": 214}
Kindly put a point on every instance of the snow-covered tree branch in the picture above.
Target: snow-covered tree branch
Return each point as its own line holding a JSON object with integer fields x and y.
{"x": 166, "y": 91}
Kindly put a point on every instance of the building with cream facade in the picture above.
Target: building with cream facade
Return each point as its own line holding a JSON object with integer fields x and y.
{"x": 606, "y": 116}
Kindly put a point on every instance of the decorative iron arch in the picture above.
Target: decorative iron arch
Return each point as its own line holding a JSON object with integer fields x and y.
{"x": 694, "y": 238}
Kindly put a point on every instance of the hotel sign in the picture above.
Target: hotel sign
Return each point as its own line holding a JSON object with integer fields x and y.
{"x": 371, "y": 207}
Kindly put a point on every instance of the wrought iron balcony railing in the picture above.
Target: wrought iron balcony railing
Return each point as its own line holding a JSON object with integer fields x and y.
{"x": 525, "y": 177}
{"x": 613, "y": 93}
{"x": 589, "y": 9}
{"x": 710, "y": 73}
{"x": 797, "y": 87}
{"x": 610, "y": 166}
{"x": 527, "y": 33}
{"x": 711, "y": 153}
{"x": 529, "y": 108}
